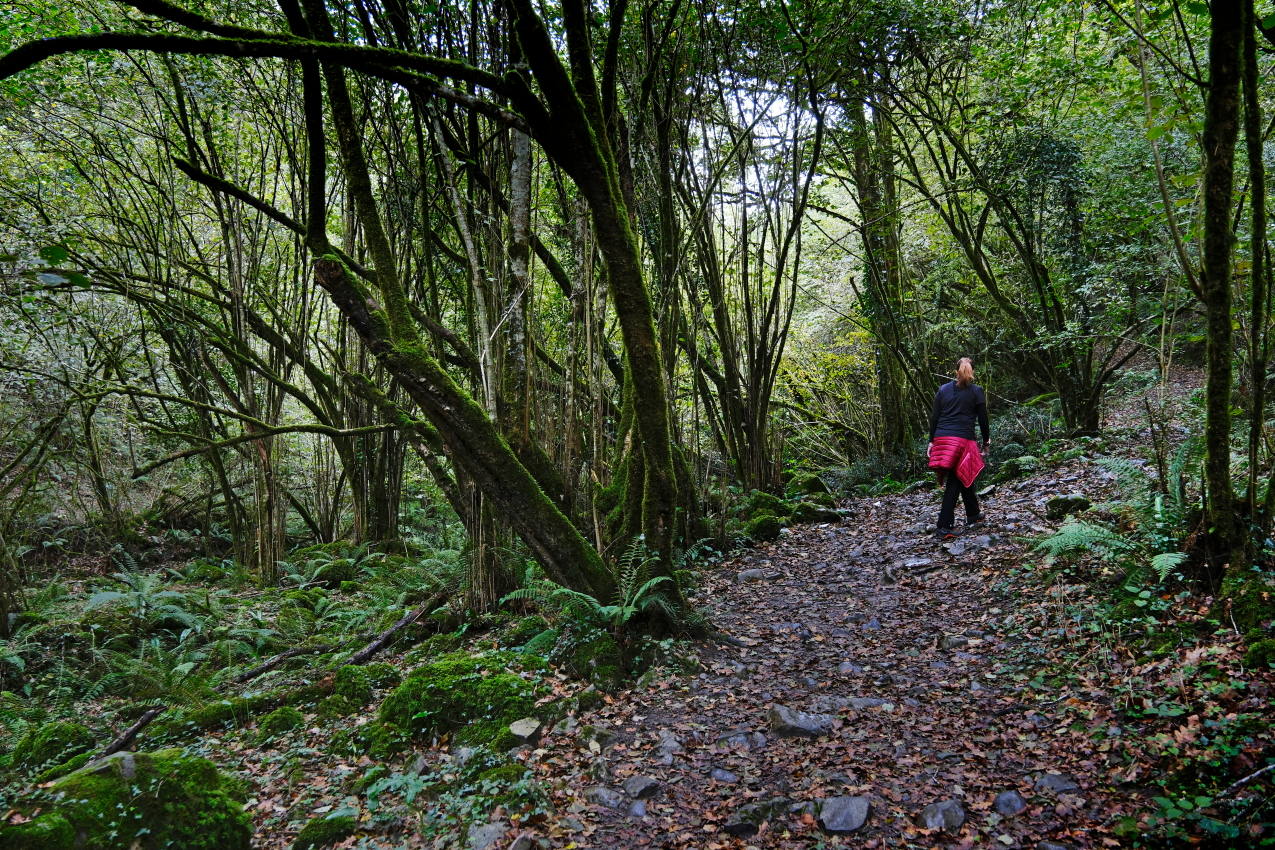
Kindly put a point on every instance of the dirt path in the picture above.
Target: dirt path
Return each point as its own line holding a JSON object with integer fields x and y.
{"x": 919, "y": 658}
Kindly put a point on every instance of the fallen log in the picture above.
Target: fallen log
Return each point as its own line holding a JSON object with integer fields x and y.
{"x": 275, "y": 660}
{"x": 380, "y": 641}
{"x": 125, "y": 739}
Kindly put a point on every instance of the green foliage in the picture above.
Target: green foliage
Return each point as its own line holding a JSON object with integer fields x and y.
{"x": 142, "y": 801}
{"x": 635, "y": 594}
{"x": 139, "y": 605}
{"x": 1080, "y": 536}
{"x": 461, "y": 792}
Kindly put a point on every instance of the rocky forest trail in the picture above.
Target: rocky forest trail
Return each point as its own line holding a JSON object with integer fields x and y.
{"x": 892, "y": 691}
{"x": 879, "y": 666}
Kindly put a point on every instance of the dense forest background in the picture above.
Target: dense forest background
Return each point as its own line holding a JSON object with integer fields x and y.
{"x": 466, "y": 305}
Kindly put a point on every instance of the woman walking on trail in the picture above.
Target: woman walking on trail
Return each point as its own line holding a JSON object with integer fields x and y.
{"x": 953, "y": 453}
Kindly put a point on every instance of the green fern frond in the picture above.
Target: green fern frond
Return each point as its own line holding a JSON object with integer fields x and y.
{"x": 1166, "y": 562}
{"x": 1078, "y": 536}
{"x": 1130, "y": 477}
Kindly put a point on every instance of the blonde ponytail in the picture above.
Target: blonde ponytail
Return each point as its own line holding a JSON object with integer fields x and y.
{"x": 964, "y": 372}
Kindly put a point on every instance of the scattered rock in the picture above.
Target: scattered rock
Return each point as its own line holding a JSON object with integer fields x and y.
{"x": 1052, "y": 845}
{"x": 641, "y": 787}
{"x": 525, "y": 841}
{"x": 866, "y": 702}
{"x": 747, "y": 820}
{"x": 843, "y": 815}
{"x": 847, "y": 668}
{"x": 604, "y": 796}
{"x": 637, "y": 809}
{"x": 721, "y": 774}
{"x": 1009, "y": 803}
{"x": 1056, "y": 782}
{"x": 525, "y": 730}
{"x": 947, "y": 815}
{"x": 751, "y": 575}
{"x": 1059, "y": 507}
{"x": 953, "y": 641}
{"x": 789, "y": 723}
{"x": 485, "y": 835}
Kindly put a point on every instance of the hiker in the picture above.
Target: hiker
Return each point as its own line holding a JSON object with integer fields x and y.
{"x": 953, "y": 452}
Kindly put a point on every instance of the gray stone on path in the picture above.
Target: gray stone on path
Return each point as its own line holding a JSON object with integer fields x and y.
{"x": 721, "y": 774}
{"x": 953, "y": 641}
{"x": 604, "y": 796}
{"x": 866, "y": 702}
{"x": 1052, "y": 845}
{"x": 1056, "y": 782}
{"x": 843, "y": 815}
{"x": 637, "y": 809}
{"x": 525, "y": 730}
{"x": 526, "y": 841}
{"x": 947, "y": 815}
{"x": 641, "y": 787}
{"x": 751, "y": 575}
{"x": 789, "y": 723}
{"x": 846, "y": 668}
{"x": 1072, "y": 503}
{"x": 484, "y": 835}
{"x": 1009, "y": 803}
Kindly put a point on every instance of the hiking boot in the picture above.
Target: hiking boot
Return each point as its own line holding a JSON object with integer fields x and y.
{"x": 976, "y": 522}
{"x": 946, "y": 534}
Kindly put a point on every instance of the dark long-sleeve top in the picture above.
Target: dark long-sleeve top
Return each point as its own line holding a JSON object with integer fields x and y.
{"x": 955, "y": 410}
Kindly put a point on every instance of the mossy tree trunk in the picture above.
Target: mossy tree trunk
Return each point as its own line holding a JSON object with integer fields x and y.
{"x": 1227, "y": 532}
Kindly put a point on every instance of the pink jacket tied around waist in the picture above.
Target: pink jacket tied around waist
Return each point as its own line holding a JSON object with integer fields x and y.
{"x": 957, "y": 453}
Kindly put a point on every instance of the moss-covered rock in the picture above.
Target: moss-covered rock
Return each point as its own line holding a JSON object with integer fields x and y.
{"x": 810, "y": 512}
{"x": 338, "y": 705}
{"x": 807, "y": 484}
{"x": 69, "y": 766}
{"x": 142, "y": 801}
{"x": 382, "y": 674}
{"x": 589, "y": 653}
{"x": 1016, "y": 467}
{"x": 324, "y": 832}
{"x": 761, "y": 503}
{"x": 283, "y": 719}
{"x": 111, "y": 623}
{"x": 763, "y": 527}
{"x": 1261, "y": 653}
{"x": 823, "y": 500}
{"x": 542, "y": 644}
{"x": 1062, "y": 506}
{"x": 52, "y": 743}
{"x": 382, "y": 740}
{"x": 353, "y": 683}
{"x": 524, "y": 630}
{"x": 1251, "y": 599}
{"x": 474, "y": 696}
{"x": 432, "y": 648}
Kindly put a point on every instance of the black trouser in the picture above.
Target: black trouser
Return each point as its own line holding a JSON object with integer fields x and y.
{"x": 947, "y": 513}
